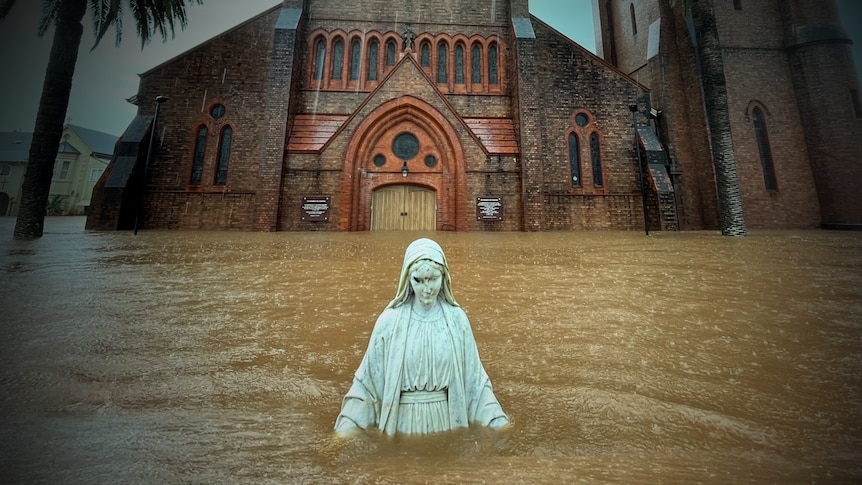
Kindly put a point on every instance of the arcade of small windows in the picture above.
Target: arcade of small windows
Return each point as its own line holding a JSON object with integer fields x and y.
{"x": 585, "y": 154}
{"x": 213, "y": 135}
{"x": 358, "y": 61}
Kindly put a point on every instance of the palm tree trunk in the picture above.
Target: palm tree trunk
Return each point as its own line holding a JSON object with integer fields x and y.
{"x": 50, "y": 118}
{"x": 714, "y": 84}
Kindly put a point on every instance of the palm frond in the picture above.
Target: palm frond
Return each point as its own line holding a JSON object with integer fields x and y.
{"x": 104, "y": 14}
{"x": 49, "y": 14}
{"x": 159, "y": 17}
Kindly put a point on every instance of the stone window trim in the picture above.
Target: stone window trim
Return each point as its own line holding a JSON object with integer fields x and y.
{"x": 584, "y": 135}
{"x": 427, "y": 45}
{"x": 206, "y": 178}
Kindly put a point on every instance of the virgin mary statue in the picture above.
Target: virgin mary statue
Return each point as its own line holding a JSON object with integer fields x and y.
{"x": 421, "y": 372}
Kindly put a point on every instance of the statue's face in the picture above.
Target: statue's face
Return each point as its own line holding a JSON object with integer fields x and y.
{"x": 426, "y": 281}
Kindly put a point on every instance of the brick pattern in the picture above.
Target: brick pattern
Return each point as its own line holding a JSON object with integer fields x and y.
{"x": 823, "y": 75}
{"x": 262, "y": 76}
{"x": 568, "y": 80}
{"x": 812, "y": 129}
{"x": 233, "y": 69}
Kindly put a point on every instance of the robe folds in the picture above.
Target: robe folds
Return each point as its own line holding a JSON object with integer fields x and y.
{"x": 374, "y": 396}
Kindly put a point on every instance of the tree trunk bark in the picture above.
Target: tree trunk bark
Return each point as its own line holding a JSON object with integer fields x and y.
{"x": 714, "y": 84}
{"x": 50, "y": 118}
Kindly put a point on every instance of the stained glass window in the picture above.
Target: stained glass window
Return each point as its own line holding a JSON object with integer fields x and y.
{"x": 574, "y": 160}
{"x": 319, "y": 58}
{"x": 337, "y": 54}
{"x": 355, "y": 51}
{"x": 595, "y": 153}
{"x": 223, "y": 156}
{"x": 372, "y": 60}
{"x": 405, "y": 146}
{"x": 426, "y": 54}
{"x": 441, "y": 63}
{"x": 459, "y": 64}
{"x": 763, "y": 148}
{"x": 476, "y": 57}
{"x": 390, "y": 53}
{"x": 493, "y": 76}
{"x": 198, "y": 160}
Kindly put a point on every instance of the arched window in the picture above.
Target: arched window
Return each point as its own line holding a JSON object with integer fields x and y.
{"x": 337, "y": 55}
{"x": 441, "y": 62}
{"x": 319, "y": 58}
{"x": 476, "y": 58}
{"x": 634, "y": 20}
{"x": 596, "y": 157}
{"x": 223, "y": 156}
{"x": 459, "y": 64}
{"x": 769, "y": 180}
{"x": 373, "y": 52}
{"x": 426, "y": 54}
{"x": 355, "y": 52}
{"x": 493, "y": 76}
{"x": 198, "y": 160}
{"x": 575, "y": 160}
{"x": 390, "y": 52}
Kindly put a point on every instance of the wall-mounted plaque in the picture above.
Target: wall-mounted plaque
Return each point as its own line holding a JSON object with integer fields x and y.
{"x": 315, "y": 208}
{"x": 489, "y": 208}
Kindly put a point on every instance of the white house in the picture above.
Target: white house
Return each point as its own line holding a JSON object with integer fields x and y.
{"x": 82, "y": 156}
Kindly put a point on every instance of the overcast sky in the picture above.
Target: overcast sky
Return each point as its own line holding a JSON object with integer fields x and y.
{"x": 106, "y": 76}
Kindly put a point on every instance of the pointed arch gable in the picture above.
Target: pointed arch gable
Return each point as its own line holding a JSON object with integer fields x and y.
{"x": 449, "y": 180}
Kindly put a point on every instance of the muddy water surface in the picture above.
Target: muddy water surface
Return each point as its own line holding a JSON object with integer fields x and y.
{"x": 221, "y": 357}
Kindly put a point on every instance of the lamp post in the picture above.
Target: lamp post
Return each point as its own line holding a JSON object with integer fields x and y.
{"x": 634, "y": 109}
{"x": 159, "y": 100}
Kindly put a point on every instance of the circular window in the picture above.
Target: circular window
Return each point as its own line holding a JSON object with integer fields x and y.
{"x": 405, "y": 146}
{"x": 430, "y": 161}
{"x": 379, "y": 160}
{"x": 217, "y": 111}
{"x": 581, "y": 119}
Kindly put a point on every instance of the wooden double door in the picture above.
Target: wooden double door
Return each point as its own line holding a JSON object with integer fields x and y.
{"x": 403, "y": 208}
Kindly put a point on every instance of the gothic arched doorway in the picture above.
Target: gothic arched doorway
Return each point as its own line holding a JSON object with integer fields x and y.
{"x": 409, "y": 146}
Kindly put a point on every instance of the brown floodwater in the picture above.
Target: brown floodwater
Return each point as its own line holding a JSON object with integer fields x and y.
{"x": 222, "y": 357}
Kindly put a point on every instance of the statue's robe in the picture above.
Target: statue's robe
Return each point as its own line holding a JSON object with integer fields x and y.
{"x": 374, "y": 396}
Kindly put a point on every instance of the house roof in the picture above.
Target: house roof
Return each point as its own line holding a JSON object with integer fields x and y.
{"x": 496, "y": 134}
{"x": 311, "y": 131}
{"x": 15, "y": 145}
{"x": 100, "y": 143}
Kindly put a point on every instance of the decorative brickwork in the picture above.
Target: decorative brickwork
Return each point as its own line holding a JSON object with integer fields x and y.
{"x": 502, "y": 107}
{"x": 804, "y": 92}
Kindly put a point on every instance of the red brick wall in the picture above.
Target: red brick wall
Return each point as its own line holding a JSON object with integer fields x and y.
{"x": 823, "y": 72}
{"x": 232, "y": 69}
{"x": 383, "y": 12}
{"x": 570, "y": 79}
{"x": 812, "y": 129}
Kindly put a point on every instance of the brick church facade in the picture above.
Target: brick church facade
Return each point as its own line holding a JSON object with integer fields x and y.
{"x": 476, "y": 116}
